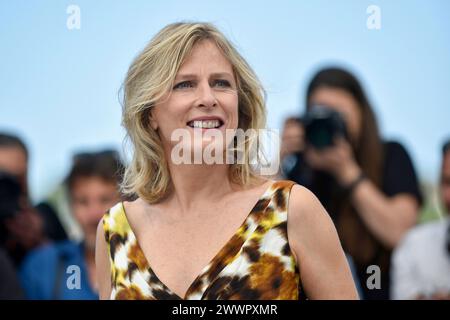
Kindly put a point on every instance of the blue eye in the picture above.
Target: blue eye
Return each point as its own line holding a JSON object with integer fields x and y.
{"x": 183, "y": 85}
{"x": 222, "y": 83}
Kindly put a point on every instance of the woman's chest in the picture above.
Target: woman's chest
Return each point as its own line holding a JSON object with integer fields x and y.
{"x": 178, "y": 252}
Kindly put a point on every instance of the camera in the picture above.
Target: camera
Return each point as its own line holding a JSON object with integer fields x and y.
{"x": 10, "y": 193}
{"x": 322, "y": 125}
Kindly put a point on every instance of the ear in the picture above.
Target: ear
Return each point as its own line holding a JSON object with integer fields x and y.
{"x": 153, "y": 122}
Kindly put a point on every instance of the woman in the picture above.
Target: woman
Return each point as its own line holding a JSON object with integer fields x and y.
{"x": 368, "y": 186}
{"x": 65, "y": 270}
{"x": 208, "y": 231}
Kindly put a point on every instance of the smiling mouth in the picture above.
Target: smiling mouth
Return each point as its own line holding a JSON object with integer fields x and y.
{"x": 205, "y": 124}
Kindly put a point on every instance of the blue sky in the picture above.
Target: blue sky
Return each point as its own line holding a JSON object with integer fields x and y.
{"x": 59, "y": 87}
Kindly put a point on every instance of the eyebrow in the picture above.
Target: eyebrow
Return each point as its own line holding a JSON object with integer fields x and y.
{"x": 213, "y": 75}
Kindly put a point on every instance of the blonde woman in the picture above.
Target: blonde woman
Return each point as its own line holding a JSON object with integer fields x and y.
{"x": 202, "y": 230}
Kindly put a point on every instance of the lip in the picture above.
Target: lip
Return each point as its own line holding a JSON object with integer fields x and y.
{"x": 202, "y": 118}
{"x": 206, "y": 118}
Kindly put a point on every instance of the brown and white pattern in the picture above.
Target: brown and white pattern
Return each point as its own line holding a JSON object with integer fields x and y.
{"x": 256, "y": 263}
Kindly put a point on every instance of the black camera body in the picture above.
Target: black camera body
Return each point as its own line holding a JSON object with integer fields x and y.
{"x": 322, "y": 125}
{"x": 10, "y": 193}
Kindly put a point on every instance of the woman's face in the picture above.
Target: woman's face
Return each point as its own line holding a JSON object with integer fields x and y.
{"x": 342, "y": 102}
{"x": 204, "y": 97}
{"x": 90, "y": 198}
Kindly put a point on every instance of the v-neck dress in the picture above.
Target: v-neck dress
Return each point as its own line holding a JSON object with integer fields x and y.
{"x": 255, "y": 263}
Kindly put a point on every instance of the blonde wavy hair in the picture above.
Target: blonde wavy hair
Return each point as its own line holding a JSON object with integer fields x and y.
{"x": 150, "y": 77}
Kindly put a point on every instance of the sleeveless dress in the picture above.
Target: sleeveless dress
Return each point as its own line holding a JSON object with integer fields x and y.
{"x": 256, "y": 263}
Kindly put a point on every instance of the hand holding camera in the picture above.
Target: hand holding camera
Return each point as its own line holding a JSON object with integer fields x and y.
{"x": 336, "y": 159}
{"x": 20, "y": 222}
{"x": 327, "y": 145}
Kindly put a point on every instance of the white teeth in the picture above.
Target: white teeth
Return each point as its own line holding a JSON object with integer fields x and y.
{"x": 207, "y": 124}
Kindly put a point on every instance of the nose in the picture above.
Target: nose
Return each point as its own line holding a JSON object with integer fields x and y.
{"x": 206, "y": 96}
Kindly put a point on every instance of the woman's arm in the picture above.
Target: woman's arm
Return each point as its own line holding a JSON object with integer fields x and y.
{"x": 102, "y": 264}
{"x": 324, "y": 271}
{"x": 388, "y": 218}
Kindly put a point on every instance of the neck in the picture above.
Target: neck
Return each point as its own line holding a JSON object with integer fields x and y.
{"x": 89, "y": 253}
{"x": 192, "y": 184}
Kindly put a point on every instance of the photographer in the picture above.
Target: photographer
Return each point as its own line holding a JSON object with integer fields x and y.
{"x": 27, "y": 227}
{"x": 421, "y": 263}
{"x": 10, "y": 191}
{"x": 369, "y": 187}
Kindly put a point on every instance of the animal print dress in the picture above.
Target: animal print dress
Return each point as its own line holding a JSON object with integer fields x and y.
{"x": 256, "y": 263}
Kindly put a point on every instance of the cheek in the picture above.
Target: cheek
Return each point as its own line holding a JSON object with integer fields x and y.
{"x": 353, "y": 123}
{"x": 97, "y": 217}
{"x": 445, "y": 193}
{"x": 80, "y": 213}
{"x": 230, "y": 104}
{"x": 355, "y": 129}
{"x": 171, "y": 115}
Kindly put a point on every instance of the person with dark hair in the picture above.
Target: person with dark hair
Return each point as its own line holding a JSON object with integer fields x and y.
{"x": 66, "y": 270}
{"x": 30, "y": 226}
{"x": 421, "y": 263}
{"x": 14, "y": 158}
{"x": 10, "y": 192}
{"x": 10, "y": 288}
{"x": 368, "y": 186}
{"x": 292, "y": 136}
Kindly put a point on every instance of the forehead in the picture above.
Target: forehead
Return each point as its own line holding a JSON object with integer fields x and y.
{"x": 446, "y": 163}
{"x": 336, "y": 98}
{"x": 205, "y": 56}
{"x": 82, "y": 183}
{"x": 13, "y": 159}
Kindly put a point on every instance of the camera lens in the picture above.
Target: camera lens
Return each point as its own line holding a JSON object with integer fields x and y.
{"x": 322, "y": 126}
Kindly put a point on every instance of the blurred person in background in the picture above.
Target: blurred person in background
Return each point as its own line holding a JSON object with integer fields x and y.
{"x": 27, "y": 227}
{"x": 368, "y": 186}
{"x": 10, "y": 192}
{"x": 421, "y": 263}
{"x": 93, "y": 188}
{"x": 292, "y": 137}
{"x": 10, "y": 288}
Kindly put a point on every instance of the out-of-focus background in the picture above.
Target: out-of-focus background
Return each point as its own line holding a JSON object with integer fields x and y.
{"x": 60, "y": 80}
{"x": 59, "y": 86}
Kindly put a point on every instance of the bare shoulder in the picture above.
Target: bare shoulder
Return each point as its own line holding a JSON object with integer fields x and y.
{"x": 141, "y": 215}
{"x": 101, "y": 229}
{"x": 308, "y": 221}
{"x": 134, "y": 208}
{"x": 133, "y": 205}
{"x": 304, "y": 206}
{"x": 307, "y": 218}
{"x": 300, "y": 195}
{"x": 315, "y": 244}
{"x": 102, "y": 262}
